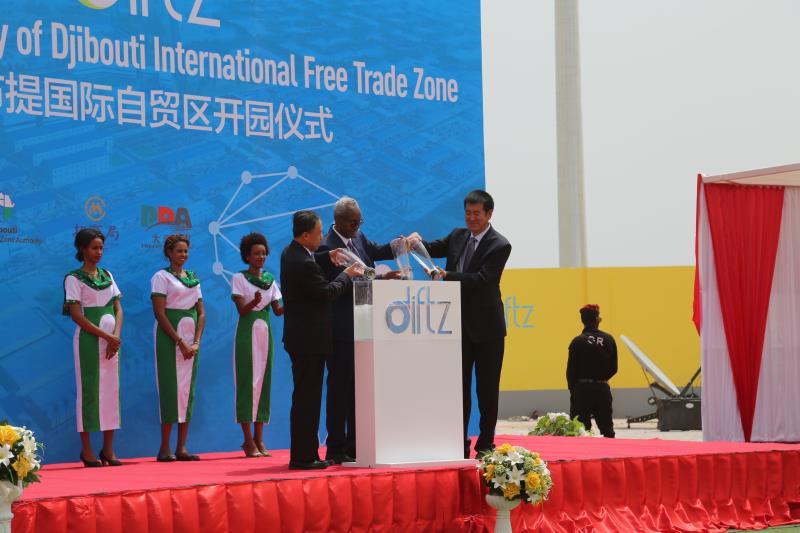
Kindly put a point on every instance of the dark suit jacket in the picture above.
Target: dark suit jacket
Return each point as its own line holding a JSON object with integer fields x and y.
{"x": 307, "y": 298}
{"x": 482, "y": 314}
{"x": 370, "y": 252}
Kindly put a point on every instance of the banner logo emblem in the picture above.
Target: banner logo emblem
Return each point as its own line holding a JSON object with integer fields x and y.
{"x": 95, "y": 208}
{"x": 194, "y": 16}
{"x": 98, "y": 4}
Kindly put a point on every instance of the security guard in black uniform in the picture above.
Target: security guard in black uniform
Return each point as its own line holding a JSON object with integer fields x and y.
{"x": 592, "y": 362}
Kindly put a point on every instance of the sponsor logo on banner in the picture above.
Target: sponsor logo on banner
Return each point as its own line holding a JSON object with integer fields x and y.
{"x": 10, "y": 234}
{"x": 519, "y": 316}
{"x": 418, "y": 314}
{"x": 142, "y": 8}
{"x": 152, "y": 216}
{"x": 154, "y": 243}
{"x": 172, "y": 219}
{"x": 111, "y": 234}
{"x": 7, "y": 206}
{"x": 95, "y": 208}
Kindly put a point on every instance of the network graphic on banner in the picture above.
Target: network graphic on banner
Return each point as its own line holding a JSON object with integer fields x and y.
{"x": 242, "y": 216}
{"x": 211, "y": 118}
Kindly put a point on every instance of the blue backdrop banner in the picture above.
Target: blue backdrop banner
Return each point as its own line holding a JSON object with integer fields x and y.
{"x": 212, "y": 118}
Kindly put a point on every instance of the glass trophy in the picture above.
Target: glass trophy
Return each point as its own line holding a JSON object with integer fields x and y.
{"x": 400, "y": 252}
{"x": 420, "y": 254}
{"x": 347, "y": 258}
{"x": 404, "y": 253}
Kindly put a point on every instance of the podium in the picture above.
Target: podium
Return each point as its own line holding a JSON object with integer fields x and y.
{"x": 408, "y": 374}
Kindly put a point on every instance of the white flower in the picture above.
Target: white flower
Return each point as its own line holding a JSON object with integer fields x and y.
{"x": 5, "y": 454}
{"x": 31, "y": 457}
{"x": 29, "y": 444}
{"x": 499, "y": 481}
{"x": 515, "y": 475}
{"x": 514, "y": 457}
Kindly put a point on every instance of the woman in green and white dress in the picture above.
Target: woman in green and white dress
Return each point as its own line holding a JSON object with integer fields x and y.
{"x": 91, "y": 299}
{"x": 254, "y": 292}
{"x": 180, "y": 319}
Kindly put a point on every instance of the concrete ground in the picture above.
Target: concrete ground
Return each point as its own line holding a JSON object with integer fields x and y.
{"x": 520, "y": 425}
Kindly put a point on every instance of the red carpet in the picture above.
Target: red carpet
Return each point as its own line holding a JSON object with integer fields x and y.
{"x": 599, "y": 485}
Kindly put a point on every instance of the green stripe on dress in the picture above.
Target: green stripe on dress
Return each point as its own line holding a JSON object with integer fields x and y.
{"x": 190, "y": 405}
{"x": 167, "y": 369}
{"x": 244, "y": 370}
{"x": 263, "y": 413}
{"x": 89, "y": 354}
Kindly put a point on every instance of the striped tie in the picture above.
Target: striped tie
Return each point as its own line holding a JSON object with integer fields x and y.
{"x": 468, "y": 251}
{"x": 352, "y": 248}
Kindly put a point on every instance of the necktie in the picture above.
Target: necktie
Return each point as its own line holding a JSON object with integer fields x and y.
{"x": 352, "y": 248}
{"x": 468, "y": 251}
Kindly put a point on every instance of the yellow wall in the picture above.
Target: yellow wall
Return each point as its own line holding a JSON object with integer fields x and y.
{"x": 650, "y": 305}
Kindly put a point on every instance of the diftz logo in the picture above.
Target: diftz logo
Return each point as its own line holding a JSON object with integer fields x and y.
{"x": 416, "y": 312}
{"x": 142, "y": 8}
{"x": 165, "y": 216}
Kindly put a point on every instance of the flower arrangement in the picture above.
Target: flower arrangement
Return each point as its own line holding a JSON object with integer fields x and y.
{"x": 559, "y": 424}
{"x": 516, "y": 474}
{"x": 19, "y": 459}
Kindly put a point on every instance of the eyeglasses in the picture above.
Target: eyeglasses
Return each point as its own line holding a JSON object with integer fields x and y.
{"x": 355, "y": 223}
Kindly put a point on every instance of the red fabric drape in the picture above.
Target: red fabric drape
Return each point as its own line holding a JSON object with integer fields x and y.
{"x": 705, "y": 492}
{"x": 688, "y": 493}
{"x": 745, "y": 224}
{"x": 419, "y": 501}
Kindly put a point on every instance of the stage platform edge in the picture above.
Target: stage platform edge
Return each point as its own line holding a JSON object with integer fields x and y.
{"x": 598, "y": 485}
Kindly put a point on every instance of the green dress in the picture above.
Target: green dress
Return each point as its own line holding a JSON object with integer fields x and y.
{"x": 252, "y": 351}
{"x": 97, "y": 403}
{"x": 176, "y": 376}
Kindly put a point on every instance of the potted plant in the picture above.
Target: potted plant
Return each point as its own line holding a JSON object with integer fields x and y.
{"x": 19, "y": 463}
{"x": 513, "y": 475}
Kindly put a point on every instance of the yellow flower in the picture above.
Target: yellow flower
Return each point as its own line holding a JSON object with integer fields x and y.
{"x": 505, "y": 448}
{"x": 22, "y": 466}
{"x": 511, "y": 490}
{"x": 489, "y": 474}
{"x": 8, "y": 435}
{"x": 532, "y": 481}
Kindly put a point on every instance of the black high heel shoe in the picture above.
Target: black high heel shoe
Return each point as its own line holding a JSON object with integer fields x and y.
{"x": 90, "y": 464}
{"x": 105, "y": 460}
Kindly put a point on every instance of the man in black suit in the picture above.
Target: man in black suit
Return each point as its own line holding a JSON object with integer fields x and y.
{"x": 341, "y": 403}
{"x": 476, "y": 256}
{"x": 307, "y": 332}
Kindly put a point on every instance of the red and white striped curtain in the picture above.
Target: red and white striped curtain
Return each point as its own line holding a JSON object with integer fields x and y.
{"x": 747, "y": 308}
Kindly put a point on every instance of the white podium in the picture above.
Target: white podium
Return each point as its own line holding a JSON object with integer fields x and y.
{"x": 408, "y": 374}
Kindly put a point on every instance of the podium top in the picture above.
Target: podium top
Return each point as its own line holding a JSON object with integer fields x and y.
{"x": 407, "y": 310}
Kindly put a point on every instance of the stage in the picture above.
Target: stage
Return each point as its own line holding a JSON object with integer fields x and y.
{"x": 599, "y": 485}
